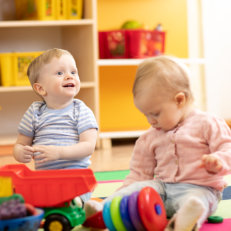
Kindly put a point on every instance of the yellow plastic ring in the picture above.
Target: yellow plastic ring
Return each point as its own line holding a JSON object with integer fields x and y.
{"x": 115, "y": 214}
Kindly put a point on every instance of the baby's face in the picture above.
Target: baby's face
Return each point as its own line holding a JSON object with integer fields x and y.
{"x": 59, "y": 79}
{"x": 161, "y": 112}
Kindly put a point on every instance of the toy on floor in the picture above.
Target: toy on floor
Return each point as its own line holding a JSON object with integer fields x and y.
{"x": 12, "y": 207}
{"x": 141, "y": 211}
{"x": 15, "y": 214}
{"x": 215, "y": 219}
{"x": 52, "y": 190}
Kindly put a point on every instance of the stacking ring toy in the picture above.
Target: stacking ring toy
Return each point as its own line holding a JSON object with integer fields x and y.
{"x": 107, "y": 216}
{"x": 140, "y": 211}
{"x": 151, "y": 209}
{"x": 133, "y": 212}
{"x": 115, "y": 214}
{"x": 125, "y": 214}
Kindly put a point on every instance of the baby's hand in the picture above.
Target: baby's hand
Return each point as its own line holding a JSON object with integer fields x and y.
{"x": 46, "y": 153}
{"x": 211, "y": 163}
{"x": 27, "y": 154}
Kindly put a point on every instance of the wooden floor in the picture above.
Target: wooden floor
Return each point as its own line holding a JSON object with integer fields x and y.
{"x": 116, "y": 158}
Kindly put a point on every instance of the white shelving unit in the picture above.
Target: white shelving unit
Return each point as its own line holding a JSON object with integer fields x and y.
{"x": 135, "y": 62}
{"x": 77, "y": 36}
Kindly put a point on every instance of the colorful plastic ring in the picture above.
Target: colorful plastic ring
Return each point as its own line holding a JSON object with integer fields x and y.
{"x": 107, "y": 216}
{"x": 125, "y": 214}
{"x": 151, "y": 209}
{"x": 115, "y": 214}
{"x": 133, "y": 212}
{"x": 215, "y": 219}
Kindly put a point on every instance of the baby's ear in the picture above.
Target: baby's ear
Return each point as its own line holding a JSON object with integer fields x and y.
{"x": 39, "y": 89}
{"x": 180, "y": 98}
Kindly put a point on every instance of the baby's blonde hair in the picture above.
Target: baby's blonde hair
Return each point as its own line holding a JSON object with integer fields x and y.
{"x": 169, "y": 75}
{"x": 35, "y": 66}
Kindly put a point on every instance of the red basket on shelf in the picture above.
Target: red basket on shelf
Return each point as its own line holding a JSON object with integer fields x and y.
{"x": 131, "y": 43}
{"x": 145, "y": 43}
{"x": 112, "y": 44}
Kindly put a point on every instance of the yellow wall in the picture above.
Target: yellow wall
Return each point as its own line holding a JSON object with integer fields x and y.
{"x": 172, "y": 14}
{"x": 117, "y": 111}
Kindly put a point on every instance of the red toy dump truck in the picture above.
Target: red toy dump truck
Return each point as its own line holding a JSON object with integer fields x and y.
{"x": 52, "y": 190}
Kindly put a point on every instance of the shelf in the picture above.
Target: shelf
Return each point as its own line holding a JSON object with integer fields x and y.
{"x": 135, "y": 62}
{"x": 119, "y": 62}
{"x": 28, "y": 88}
{"x": 120, "y": 134}
{"x": 88, "y": 84}
{"x": 37, "y": 23}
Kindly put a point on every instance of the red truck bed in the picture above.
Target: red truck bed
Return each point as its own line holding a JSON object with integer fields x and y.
{"x": 49, "y": 188}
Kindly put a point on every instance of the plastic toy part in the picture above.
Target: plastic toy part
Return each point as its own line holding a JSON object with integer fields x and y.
{"x": 95, "y": 221}
{"x": 115, "y": 214}
{"x": 31, "y": 223}
{"x": 56, "y": 222}
{"x": 125, "y": 214}
{"x": 134, "y": 213}
{"x": 6, "y": 188}
{"x": 68, "y": 182}
{"x": 107, "y": 216}
{"x": 151, "y": 209}
{"x": 215, "y": 219}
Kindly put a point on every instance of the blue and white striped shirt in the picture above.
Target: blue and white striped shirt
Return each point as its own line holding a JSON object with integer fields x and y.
{"x": 60, "y": 127}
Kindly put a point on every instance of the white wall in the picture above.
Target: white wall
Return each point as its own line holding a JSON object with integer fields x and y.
{"x": 216, "y": 25}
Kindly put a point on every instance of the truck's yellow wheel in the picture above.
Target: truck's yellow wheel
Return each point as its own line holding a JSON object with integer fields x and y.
{"x": 57, "y": 222}
{"x": 55, "y": 226}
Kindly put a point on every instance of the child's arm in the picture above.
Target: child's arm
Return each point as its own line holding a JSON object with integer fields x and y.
{"x": 85, "y": 147}
{"x": 218, "y": 136}
{"x": 23, "y": 152}
{"x": 143, "y": 161}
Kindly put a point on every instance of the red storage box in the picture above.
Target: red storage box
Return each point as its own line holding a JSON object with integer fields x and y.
{"x": 145, "y": 43}
{"x": 131, "y": 43}
{"x": 112, "y": 44}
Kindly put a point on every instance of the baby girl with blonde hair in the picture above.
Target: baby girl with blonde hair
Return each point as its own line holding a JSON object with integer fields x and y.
{"x": 184, "y": 154}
